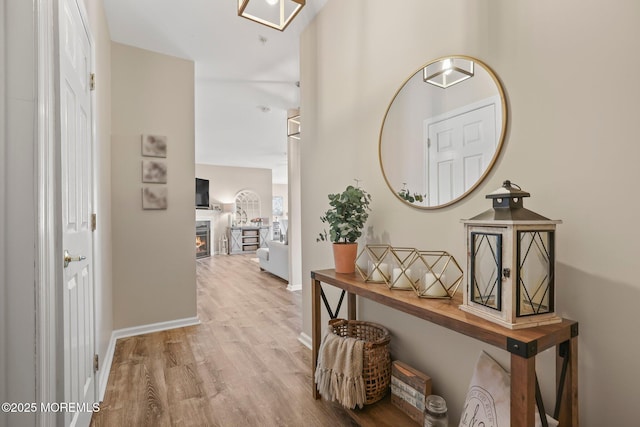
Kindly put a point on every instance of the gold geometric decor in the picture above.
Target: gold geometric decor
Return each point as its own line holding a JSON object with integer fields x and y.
{"x": 276, "y": 14}
{"x": 430, "y": 274}
{"x": 373, "y": 263}
{"x": 438, "y": 274}
{"x": 402, "y": 277}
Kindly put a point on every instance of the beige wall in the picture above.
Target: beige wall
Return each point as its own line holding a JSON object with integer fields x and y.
{"x": 571, "y": 143}
{"x": 102, "y": 117}
{"x": 153, "y": 250}
{"x": 227, "y": 181}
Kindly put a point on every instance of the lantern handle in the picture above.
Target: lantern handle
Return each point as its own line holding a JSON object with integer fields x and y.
{"x": 507, "y": 184}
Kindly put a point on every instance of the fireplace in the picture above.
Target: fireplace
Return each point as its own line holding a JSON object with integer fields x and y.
{"x": 203, "y": 239}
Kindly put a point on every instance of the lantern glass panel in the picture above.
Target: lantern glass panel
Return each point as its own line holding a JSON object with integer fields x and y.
{"x": 486, "y": 267}
{"x": 535, "y": 272}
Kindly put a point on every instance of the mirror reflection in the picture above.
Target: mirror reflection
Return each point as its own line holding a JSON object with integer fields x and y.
{"x": 442, "y": 132}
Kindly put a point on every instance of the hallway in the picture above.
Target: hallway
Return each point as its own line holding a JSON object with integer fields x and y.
{"x": 242, "y": 366}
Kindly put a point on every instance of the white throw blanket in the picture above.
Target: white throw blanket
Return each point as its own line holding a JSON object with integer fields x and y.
{"x": 339, "y": 370}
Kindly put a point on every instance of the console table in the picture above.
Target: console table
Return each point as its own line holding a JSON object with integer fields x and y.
{"x": 523, "y": 344}
{"x": 247, "y": 239}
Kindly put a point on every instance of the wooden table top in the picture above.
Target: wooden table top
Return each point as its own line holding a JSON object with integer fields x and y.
{"x": 445, "y": 312}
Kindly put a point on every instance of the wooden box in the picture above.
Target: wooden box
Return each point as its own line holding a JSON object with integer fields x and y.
{"x": 409, "y": 388}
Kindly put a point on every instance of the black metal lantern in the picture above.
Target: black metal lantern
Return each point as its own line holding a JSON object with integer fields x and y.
{"x": 511, "y": 262}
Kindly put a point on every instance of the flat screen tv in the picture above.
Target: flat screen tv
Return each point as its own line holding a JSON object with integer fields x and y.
{"x": 202, "y": 193}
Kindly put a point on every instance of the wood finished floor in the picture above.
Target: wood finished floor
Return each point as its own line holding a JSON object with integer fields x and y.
{"x": 242, "y": 366}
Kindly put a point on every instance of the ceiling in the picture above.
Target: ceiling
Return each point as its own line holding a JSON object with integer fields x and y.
{"x": 246, "y": 74}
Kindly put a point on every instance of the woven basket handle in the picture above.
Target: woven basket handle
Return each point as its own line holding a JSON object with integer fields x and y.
{"x": 382, "y": 341}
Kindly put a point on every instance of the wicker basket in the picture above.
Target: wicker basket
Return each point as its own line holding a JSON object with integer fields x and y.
{"x": 376, "y": 364}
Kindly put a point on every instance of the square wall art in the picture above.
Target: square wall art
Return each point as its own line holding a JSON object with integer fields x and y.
{"x": 154, "y": 145}
{"x": 154, "y": 197}
{"x": 154, "y": 171}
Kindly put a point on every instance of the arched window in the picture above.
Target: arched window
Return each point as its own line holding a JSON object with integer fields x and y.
{"x": 247, "y": 207}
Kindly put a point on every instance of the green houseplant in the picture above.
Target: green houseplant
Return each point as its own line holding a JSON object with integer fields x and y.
{"x": 405, "y": 194}
{"x": 346, "y": 218}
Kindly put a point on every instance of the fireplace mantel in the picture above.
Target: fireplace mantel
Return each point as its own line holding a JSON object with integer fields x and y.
{"x": 206, "y": 214}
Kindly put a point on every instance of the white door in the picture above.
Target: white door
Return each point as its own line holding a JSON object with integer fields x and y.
{"x": 77, "y": 199}
{"x": 460, "y": 148}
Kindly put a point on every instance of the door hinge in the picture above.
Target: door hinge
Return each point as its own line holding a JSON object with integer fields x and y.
{"x": 92, "y": 81}
{"x": 96, "y": 363}
{"x": 94, "y": 222}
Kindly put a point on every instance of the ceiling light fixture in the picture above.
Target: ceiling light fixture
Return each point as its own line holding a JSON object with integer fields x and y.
{"x": 263, "y": 12}
{"x": 448, "y": 72}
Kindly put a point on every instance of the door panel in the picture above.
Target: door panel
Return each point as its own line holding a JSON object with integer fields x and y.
{"x": 445, "y": 182}
{"x": 77, "y": 196}
{"x": 459, "y": 148}
{"x": 473, "y": 167}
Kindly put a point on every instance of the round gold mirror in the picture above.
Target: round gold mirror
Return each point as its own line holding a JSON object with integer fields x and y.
{"x": 442, "y": 132}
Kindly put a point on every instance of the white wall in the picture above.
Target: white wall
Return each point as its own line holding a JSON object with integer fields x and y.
{"x": 294, "y": 207}
{"x": 227, "y": 181}
{"x": 3, "y": 204}
{"x": 18, "y": 207}
{"x": 571, "y": 143}
{"x": 153, "y": 250}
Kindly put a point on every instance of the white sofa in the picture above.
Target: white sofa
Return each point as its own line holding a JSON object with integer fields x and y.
{"x": 275, "y": 259}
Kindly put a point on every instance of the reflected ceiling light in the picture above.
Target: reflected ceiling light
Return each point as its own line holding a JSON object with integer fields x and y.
{"x": 446, "y": 66}
{"x": 447, "y": 72}
{"x": 293, "y": 123}
{"x": 272, "y": 13}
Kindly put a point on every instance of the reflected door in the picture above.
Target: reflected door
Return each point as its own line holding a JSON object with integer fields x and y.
{"x": 460, "y": 147}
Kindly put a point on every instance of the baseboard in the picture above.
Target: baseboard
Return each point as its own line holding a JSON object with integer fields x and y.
{"x": 155, "y": 327}
{"x": 105, "y": 367}
{"x": 305, "y": 340}
{"x": 292, "y": 288}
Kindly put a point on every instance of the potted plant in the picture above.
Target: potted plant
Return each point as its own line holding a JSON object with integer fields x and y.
{"x": 405, "y": 194}
{"x": 346, "y": 219}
